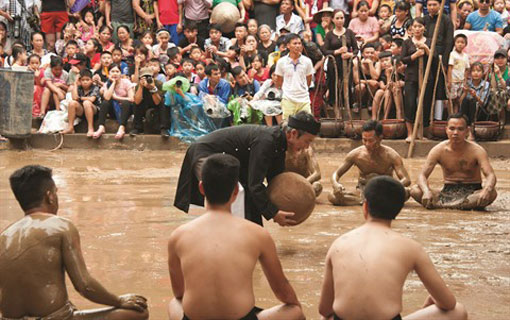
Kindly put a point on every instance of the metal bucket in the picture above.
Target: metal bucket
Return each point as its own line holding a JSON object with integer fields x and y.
{"x": 353, "y": 128}
{"x": 331, "y": 128}
{"x": 16, "y": 97}
{"x": 486, "y": 130}
{"x": 394, "y": 128}
{"x": 438, "y": 129}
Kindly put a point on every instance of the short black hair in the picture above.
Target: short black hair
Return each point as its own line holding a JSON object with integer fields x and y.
{"x": 373, "y": 125}
{"x": 241, "y": 25}
{"x": 210, "y": 68}
{"x": 56, "y": 61}
{"x": 190, "y": 25}
{"x": 30, "y": 184}
{"x": 71, "y": 43}
{"x": 220, "y": 175}
{"x": 291, "y": 36}
{"x": 398, "y": 42}
{"x": 237, "y": 71}
{"x": 106, "y": 52}
{"x": 458, "y": 115}
{"x": 461, "y": 35}
{"x": 302, "y": 116}
{"x": 86, "y": 73}
{"x": 385, "y": 197}
{"x": 368, "y": 45}
{"x": 172, "y": 52}
{"x": 215, "y": 26}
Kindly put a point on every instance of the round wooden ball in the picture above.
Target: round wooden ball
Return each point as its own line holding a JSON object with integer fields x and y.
{"x": 226, "y": 15}
{"x": 290, "y": 191}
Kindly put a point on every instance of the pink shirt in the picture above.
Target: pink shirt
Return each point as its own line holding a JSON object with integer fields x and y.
{"x": 365, "y": 29}
{"x": 122, "y": 88}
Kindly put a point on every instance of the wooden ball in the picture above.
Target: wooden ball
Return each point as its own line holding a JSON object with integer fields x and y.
{"x": 226, "y": 15}
{"x": 290, "y": 191}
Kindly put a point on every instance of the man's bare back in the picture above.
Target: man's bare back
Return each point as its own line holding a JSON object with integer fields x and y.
{"x": 33, "y": 242}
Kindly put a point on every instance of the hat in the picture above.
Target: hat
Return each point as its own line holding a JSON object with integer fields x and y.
{"x": 284, "y": 29}
{"x": 500, "y": 52}
{"x": 318, "y": 15}
{"x": 312, "y": 127}
{"x": 79, "y": 58}
{"x": 144, "y": 72}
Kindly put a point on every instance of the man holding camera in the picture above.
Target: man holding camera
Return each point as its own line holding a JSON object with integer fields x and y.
{"x": 149, "y": 103}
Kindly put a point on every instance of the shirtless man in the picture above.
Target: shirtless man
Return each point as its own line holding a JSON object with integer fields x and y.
{"x": 372, "y": 159}
{"x": 211, "y": 259}
{"x": 462, "y": 162}
{"x": 305, "y": 163}
{"x": 37, "y": 250}
{"x": 366, "y": 268}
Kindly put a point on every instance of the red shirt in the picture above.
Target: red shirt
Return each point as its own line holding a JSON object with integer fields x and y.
{"x": 253, "y": 74}
{"x": 168, "y": 12}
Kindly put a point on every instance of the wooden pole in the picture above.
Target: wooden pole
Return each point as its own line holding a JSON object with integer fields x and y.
{"x": 419, "y": 111}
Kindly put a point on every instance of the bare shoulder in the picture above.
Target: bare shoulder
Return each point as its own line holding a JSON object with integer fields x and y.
{"x": 392, "y": 153}
{"x": 355, "y": 153}
{"x": 476, "y": 149}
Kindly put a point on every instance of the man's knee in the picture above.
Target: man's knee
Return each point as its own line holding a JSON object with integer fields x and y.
{"x": 416, "y": 193}
{"x": 317, "y": 188}
{"x": 460, "y": 312}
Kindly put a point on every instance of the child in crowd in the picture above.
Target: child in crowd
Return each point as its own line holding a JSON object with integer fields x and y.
{"x": 199, "y": 71}
{"x": 56, "y": 80}
{"x": 117, "y": 58}
{"x": 148, "y": 41}
{"x": 187, "y": 70}
{"x": 253, "y": 27}
{"x": 190, "y": 39}
{"x": 19, "y": 55}
{"x": 389, "y": 89}
{"x": 379, "y": 289}
{"x": 499, "y": 7}
{"x": 458, "y": 70}
{"x": 156, "y": 66}
{"x": 258, "y": 70}
{"x": 86, "y": 99}
{"x": 70, "y": 33}
{"x": 70, "y": 50}
{"x": 175, "y": 57}
{"x": 34, "y": 65}
{"x": 101, "y": 75}
{"x": 170, "y": 71}
{"x": 87, "y": 25}
{"x": 196, "y": 54}
{"x": 385, "y": 18}
{"x": 93, "y": 51}
{"x": 141, "y": 59}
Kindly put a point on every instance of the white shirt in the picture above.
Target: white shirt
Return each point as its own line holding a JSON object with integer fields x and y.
{"x": 295, "y": 24}
{"x": 295, "y": 86}
{"x": 460, "y": 62}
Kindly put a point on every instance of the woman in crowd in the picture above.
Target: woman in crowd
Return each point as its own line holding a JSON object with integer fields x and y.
{"x": 324, "y": 24}
{"x": 105, "y": 38}
{"x": 118, "y": 96}
{"x": 125, "y": 42}
{"x": 37, "y": 41}
{"x": 401, "y": 21}
{"x": 365, "y": 28}
{"x": 265, "y": 42}
{"x": 340, "y": 43}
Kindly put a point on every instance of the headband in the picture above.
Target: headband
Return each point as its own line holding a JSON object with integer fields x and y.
{"x": 161, "y": 31}
{"x": 312, "y": 127}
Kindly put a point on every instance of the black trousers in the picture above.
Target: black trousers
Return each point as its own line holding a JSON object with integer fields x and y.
{"x": 107, "y": 108}
{"x": 468, "y": 108}
{"x": 161, "y": 112}
{"x": 411, "y": 95}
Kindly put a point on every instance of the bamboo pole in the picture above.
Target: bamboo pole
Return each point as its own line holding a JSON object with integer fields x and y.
{"x": 419, "y": 111}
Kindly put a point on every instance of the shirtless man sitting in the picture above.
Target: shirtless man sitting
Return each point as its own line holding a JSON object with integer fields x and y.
{"x": 38, "y": 249}
{"x": 366, "y": 268}
{"x": 305, "y": 163}
{"x": 372, "y": 159}
{"x": 462, "y": 162}
{"x": 211, "y": 259}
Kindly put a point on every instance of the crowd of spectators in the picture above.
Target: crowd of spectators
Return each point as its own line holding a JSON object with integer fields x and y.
{"x": 114, "y": 57}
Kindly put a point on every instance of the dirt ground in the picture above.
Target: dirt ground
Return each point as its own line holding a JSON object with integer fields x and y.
{"x": 121, "y": 201}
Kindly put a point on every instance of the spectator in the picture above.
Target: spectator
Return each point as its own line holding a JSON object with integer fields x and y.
{"x": 57, "y": 83}
{"x": 160, "y": 50}
{"x": 475, "y": 94}
{"x": 101, "y": 75}
{"x": 401, "y": 21}
{"x": 53, "y": 17}
{"x": 190, "y": 38}
{"x": 87, "y": 25}
{"x": 244, "y": 86}
{"x": 197, "y": 11}
{"x": 258, "y": 70}
{"x": 484, "y": 19}
{"x": 214, "y": 85}
{"x": 5, "y": 41}
{"x": 294, "y": 74}
{"x": 311, "y": 8}
{"x": 70, "y": 34}
{"x": 93, "y": 51}
{"x": 458, "y": 70}
{"x": 118, "y": 97}
{"x": 169, "y": 16}
{"x": 270, "y": 92}
{"x": 249, "y": 51}
{"x": 19, "y": 56}
{"x": 146, "y": 11}
{"x": 240, "y": 33}
{"x": 253, "y": 27}
{"x": 119, "y": 13}
{"x": 86, "y": 100}
{"x": 265, "y": 42}
{"x": 499, "y": 7}
{"x": 465, "y": 8}
{"x": 141, "y": 59}
{"x": 340, "y": 43}
{"x": 125, "y": 42}
{"x": 34, "y": 65}
{"x": 216, "y": 44}
{"x": 364, "y": 27}
{"x": 287, "y": 19}
{"x": 324, "y": 24}
{"x": 105, "y": 37}
{"x": 450, "y": 9}
{"x": 37, "y": 41}
{"x": 149, "y": 95}
{"x": 371, "y": 4}
{"x": 366, "y": 75}
{"x": 384, "y": 14}
{"x": 117, "y": 58}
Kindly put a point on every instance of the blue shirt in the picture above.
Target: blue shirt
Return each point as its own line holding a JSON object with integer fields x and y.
{"x": 446, "y": 6}
{"x": 222, "y": 90}
{"x": 239, "y": 91}
{"x": 492, "y": 20}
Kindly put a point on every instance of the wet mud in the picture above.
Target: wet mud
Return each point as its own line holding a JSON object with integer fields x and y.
{"x": 121, "y": 201}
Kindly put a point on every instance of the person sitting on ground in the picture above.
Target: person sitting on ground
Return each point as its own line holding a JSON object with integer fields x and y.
{"x": 39, "y": 249}
{"x": 228, "y": 249}
{"x": 86, "y": 100}
{"x": 462, "y": 162}
{"x": 365, "y": 74}
{"x": 368, "y": 266}
{"x": 57, "y": 83}
{"x": 149, "y": 94}
{"x": 390, "y": 90}
{"x": 305, "y": 163}
{"x": 372, "y": 159}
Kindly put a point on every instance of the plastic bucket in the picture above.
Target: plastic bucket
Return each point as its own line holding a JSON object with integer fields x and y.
{"x": 16, "y": 96}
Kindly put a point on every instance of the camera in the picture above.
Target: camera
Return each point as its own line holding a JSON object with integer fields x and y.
{"x": 149, "y": 79}
{"x": 271, "y": 96}
{"x": 178, "y": 83}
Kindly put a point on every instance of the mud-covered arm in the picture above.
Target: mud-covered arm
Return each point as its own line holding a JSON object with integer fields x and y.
{"x": 400, "y": 170}
{"x": 313, "y": 167}
{"x": 174, "y": 267}
{"x": 328, "y": 290}
{"x": 490, "y": 177}
{"x": 348, "y": 162}
{"x": 84, "y": 283}
{"x": 273, "y": 270}
{"x": 430, "y": 164}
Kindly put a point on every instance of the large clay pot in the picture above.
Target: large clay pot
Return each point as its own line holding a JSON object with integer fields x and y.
{"x": 226, "y": 15}
{"x": 394, "y": 128}
{"x": 331, "y": 128}
{"x": 437, "y": 130}
{"x": 486, "y": 130}
{"x": 291, "y": 192}
{"x": 353, "y": 128}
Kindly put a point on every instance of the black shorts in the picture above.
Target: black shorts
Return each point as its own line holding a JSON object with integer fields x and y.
{"x": 397, "y": 317}
{"x": 457, "y": 191}
{"x": 252, "y": 315}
